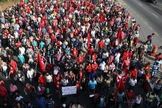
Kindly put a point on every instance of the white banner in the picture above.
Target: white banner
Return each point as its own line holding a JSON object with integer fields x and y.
{"x": 69, "y": 90}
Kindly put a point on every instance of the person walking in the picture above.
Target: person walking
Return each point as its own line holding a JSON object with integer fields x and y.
{"x": 149, "y": 38}
{"x": 138, "y": 101}
{"x": 150, "y": 96}
{"x": 41, "y": 102}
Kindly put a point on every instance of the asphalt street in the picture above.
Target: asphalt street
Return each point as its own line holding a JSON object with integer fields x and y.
{"x": 148, "y": 15}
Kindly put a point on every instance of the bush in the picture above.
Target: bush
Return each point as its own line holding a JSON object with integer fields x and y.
{"x": 3, "y": 0}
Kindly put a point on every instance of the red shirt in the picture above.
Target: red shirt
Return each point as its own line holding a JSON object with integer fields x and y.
{"x": 42, "y": 80}
{"x": 78, "y": 85}
{"x": 125, "y": 55}
{"x": 102, "y": 18}
{"x": 94, "y": 57}
{"x": 159, "y": 56}
{"x": 80, "y": 59}
{"x": 89, "y": 68}
{"x": 90, "y": 51}
{"x": 100, "y": 44}
{"x": 74, "y": 53}
{"x": 125, "y": 71}
{"x": 13, "y": 64}
{"x": 81, "y": 74}
{"x": 12, "y": 71}
{"x": 133, "y": 73}
{"x": 58, "y": 85}
{"x": 130, "y": 94}
{"x": 126, "y": 63}
{"x": 136, "y": 40}
{"x": 29, "y": 89}
{"x": 147, "y": 77}
{"x": 94, "y": 66}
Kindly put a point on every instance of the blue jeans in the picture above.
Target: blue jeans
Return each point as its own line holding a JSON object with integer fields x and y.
{"x": 148, "y": 104}
{"x": 116, "y": 64}
{"x": 5, "y": 73}
{"x": 154, "y": 72}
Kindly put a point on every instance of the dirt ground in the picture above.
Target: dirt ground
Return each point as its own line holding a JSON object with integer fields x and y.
{"x": 5, "y": 5}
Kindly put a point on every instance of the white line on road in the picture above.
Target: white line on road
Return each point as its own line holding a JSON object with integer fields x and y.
{"x": 155, "y": 15}
{"x": 156, "y": 34}
{"x": 140, "y": 4}
{"x": 156, "y": 6}
{"x": 145, "y": 23}
{"x": 150, "y": 28}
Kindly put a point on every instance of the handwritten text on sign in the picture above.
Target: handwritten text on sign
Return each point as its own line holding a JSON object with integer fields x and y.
{"x": 69, "y": 90}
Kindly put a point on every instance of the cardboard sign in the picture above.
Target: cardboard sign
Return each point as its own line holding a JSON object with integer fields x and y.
{"x": 69, "y": 90}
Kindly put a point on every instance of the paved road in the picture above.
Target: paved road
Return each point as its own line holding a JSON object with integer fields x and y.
{"x": 148, "y": 15}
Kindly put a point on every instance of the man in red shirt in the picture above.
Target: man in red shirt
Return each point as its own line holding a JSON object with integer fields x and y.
{"x": 133, "y": 73}
{"x": 94, "y": 56}
{"x": 74, "y": 52}
{"x": 42, "y": 79}
{"x": 130, "y": 94}
{"x": 29, "y": 90}
{"x": 13, "y": 64}
{"x": 78, "y": 88}
{"x": 89, "y": 69}
{"x": 91, "y": 50}
{"x": 94, "y": 66}
{"x": 101, "y": 45}
{"x": 126, "y": 63}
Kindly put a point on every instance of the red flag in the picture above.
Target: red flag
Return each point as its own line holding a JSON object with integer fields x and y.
{"x": 89, "y": 39}
{"x": 41, "y": 63}
{"x": 120, "y": 34}
{"x": 119, "y": 87}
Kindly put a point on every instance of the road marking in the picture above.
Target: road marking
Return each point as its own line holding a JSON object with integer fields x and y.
{"x": 156, "y": 34}
{"x": 155, "y": 6}
{"x": 140, "y": 4}
{"x": 137, "y": 15}
{"x": 150, "y": 28}
{"x": 141, "y": 19}
{"x": 145, "y": 23}
{"x": 155, "y": 15}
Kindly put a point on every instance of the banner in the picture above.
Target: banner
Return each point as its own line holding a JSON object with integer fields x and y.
{"x": 69, "y": 90}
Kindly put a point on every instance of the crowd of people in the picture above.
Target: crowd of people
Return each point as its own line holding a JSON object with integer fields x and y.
{"x": 92, "y": 45}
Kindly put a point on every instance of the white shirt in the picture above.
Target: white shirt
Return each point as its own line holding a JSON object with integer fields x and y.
{"x": 30, "y": 73}
{"x": 93, "y": 32}
{"x": 22, "y": 50}
{"x": 4, "y": 67}
{"x": 107, "y": 41}
{"x": 56, "y": 70}
{"x": 140, "y": 73}
{"x": 138, "y": 101}
{"x": 132, "y": 82}
{"x": 64, "y": 82}
{"x": 19, "y": 98}
{"x": 102, "y": 65}
{"x": 105, "y": 55}
{"x": 117, "y": 57}
{"x": 48, "y": 78}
